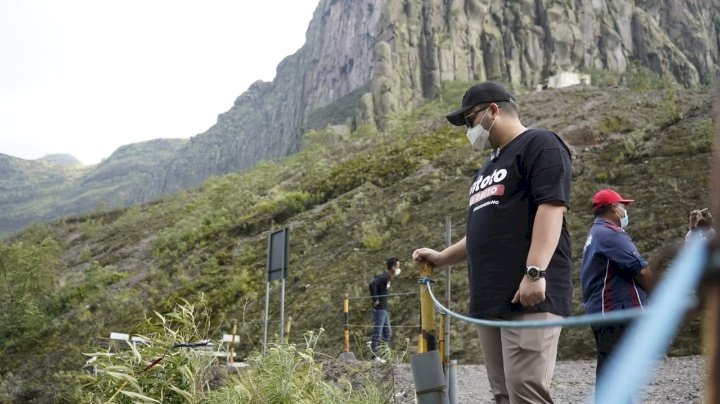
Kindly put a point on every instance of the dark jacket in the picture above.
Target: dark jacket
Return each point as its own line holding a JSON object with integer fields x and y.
{"x": 379, "y": 290}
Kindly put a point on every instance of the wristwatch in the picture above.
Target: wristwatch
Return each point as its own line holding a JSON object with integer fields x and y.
{"x": 534, "y": 273}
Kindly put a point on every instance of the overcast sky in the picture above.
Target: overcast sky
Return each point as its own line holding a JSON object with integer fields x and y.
{"x": 85, "y": 77}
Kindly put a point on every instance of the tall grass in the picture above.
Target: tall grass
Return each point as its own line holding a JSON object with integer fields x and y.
{"x": 173, "y": 365}
{"x": 286, "y": 373}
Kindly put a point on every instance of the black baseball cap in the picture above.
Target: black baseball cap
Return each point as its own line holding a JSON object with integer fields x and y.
{"x": 483, "y": 93}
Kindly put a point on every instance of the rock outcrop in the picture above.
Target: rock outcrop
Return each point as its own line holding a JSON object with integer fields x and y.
{"x": 364, "y": 60}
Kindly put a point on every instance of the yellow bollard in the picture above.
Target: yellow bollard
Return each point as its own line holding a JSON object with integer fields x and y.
{"x": 288, "y": 323}
{"x": 428, "y": 335}
{"x": 421, "y": 346}
{"x": 346, "y": 334}
{"x": 441, "y": 340}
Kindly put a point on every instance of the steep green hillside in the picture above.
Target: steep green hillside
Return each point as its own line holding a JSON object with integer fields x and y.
{"x": 26, "y": 183}
{"x": 350, "y": 201}
{"x": 52, "y": 187}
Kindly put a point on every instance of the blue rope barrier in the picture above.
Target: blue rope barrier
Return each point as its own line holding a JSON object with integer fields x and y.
{"x": 575, "y": 321}
{"x": 629, "y": 366}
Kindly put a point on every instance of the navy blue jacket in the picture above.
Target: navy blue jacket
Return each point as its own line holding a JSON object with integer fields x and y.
{"x": 609, "y": 266}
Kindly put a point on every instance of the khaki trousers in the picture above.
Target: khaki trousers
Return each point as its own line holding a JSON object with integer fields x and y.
{"x": 520, "y": 361}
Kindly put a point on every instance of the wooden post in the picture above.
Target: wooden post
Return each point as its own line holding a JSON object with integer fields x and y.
{"x": 421, "y": 346}
{"x": 346, "y": 333}
{"x": 231, "y": 354}
{"x": 427, "y": 312}
{"x": 288, "y": 323}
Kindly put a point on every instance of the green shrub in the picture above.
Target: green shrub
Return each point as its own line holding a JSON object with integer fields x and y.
{"x": 641, "y": 78}
{"x": 165, "y": 369}
{"x": 373, "y": 233}
{"x": 603, "y": 78}
{"x": 635, "y": 146}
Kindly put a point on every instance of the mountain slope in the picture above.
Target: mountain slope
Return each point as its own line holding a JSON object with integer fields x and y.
{"x": 43, "y": 191}
{"x": 350, "y": 201}
{"x": 26, "y": 182}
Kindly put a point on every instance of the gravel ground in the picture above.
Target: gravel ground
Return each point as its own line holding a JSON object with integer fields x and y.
{"x": 674, "y": 380}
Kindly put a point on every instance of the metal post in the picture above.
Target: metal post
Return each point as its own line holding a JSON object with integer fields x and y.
{"x": 448, "y": 243}
{"x": 282, "y": 309}
{"x": 282, "y": 285}
{"x": 452, "y": 382}
{"x": 427, "y": 310}
{"x": 346, "y": 333}
{"x": 450, "y": 366}
{"x": 265, "y": 314}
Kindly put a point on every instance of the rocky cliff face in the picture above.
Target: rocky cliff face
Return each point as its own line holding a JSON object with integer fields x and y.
{"x": 364, "y": 60}
{"x": 268, "y": 120}
{"x": 378, "y": 57}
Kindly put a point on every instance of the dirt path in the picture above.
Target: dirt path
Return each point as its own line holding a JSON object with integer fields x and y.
{"x": 674, "y": 380}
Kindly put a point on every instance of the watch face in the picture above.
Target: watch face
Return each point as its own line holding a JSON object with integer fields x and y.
{"x": 533, "y": 273}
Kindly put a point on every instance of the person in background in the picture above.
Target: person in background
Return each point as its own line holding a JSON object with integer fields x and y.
{"x": 517, "y": 244}
{"x": 613, "y": 274}
{"x": 700, "y": 225}
{"x": 379, "y": 288}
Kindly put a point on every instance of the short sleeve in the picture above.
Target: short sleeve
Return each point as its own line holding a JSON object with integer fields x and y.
{"x": 549, "y": 170}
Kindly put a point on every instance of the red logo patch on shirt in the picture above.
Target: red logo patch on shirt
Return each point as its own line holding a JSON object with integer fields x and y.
{"x": 487, "y": 192}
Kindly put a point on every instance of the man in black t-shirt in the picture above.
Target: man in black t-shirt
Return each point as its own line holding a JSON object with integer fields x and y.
{"x": 379, "y": 289}
{"x": 517, "y": 244}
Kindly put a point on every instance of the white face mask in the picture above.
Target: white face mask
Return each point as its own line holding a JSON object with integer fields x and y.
{"x": 397, "y": 271}
{"x": 478, "y": 135}
{"x": 624, "y": 220}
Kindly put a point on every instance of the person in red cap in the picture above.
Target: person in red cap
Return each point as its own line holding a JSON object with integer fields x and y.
{"x": 517, "y": 245}
{"x": 613, "y": 275}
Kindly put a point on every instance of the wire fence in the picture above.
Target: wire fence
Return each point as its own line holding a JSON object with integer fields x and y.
{"x": 371, "y": 326}
{"x": 388, "y": 295}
